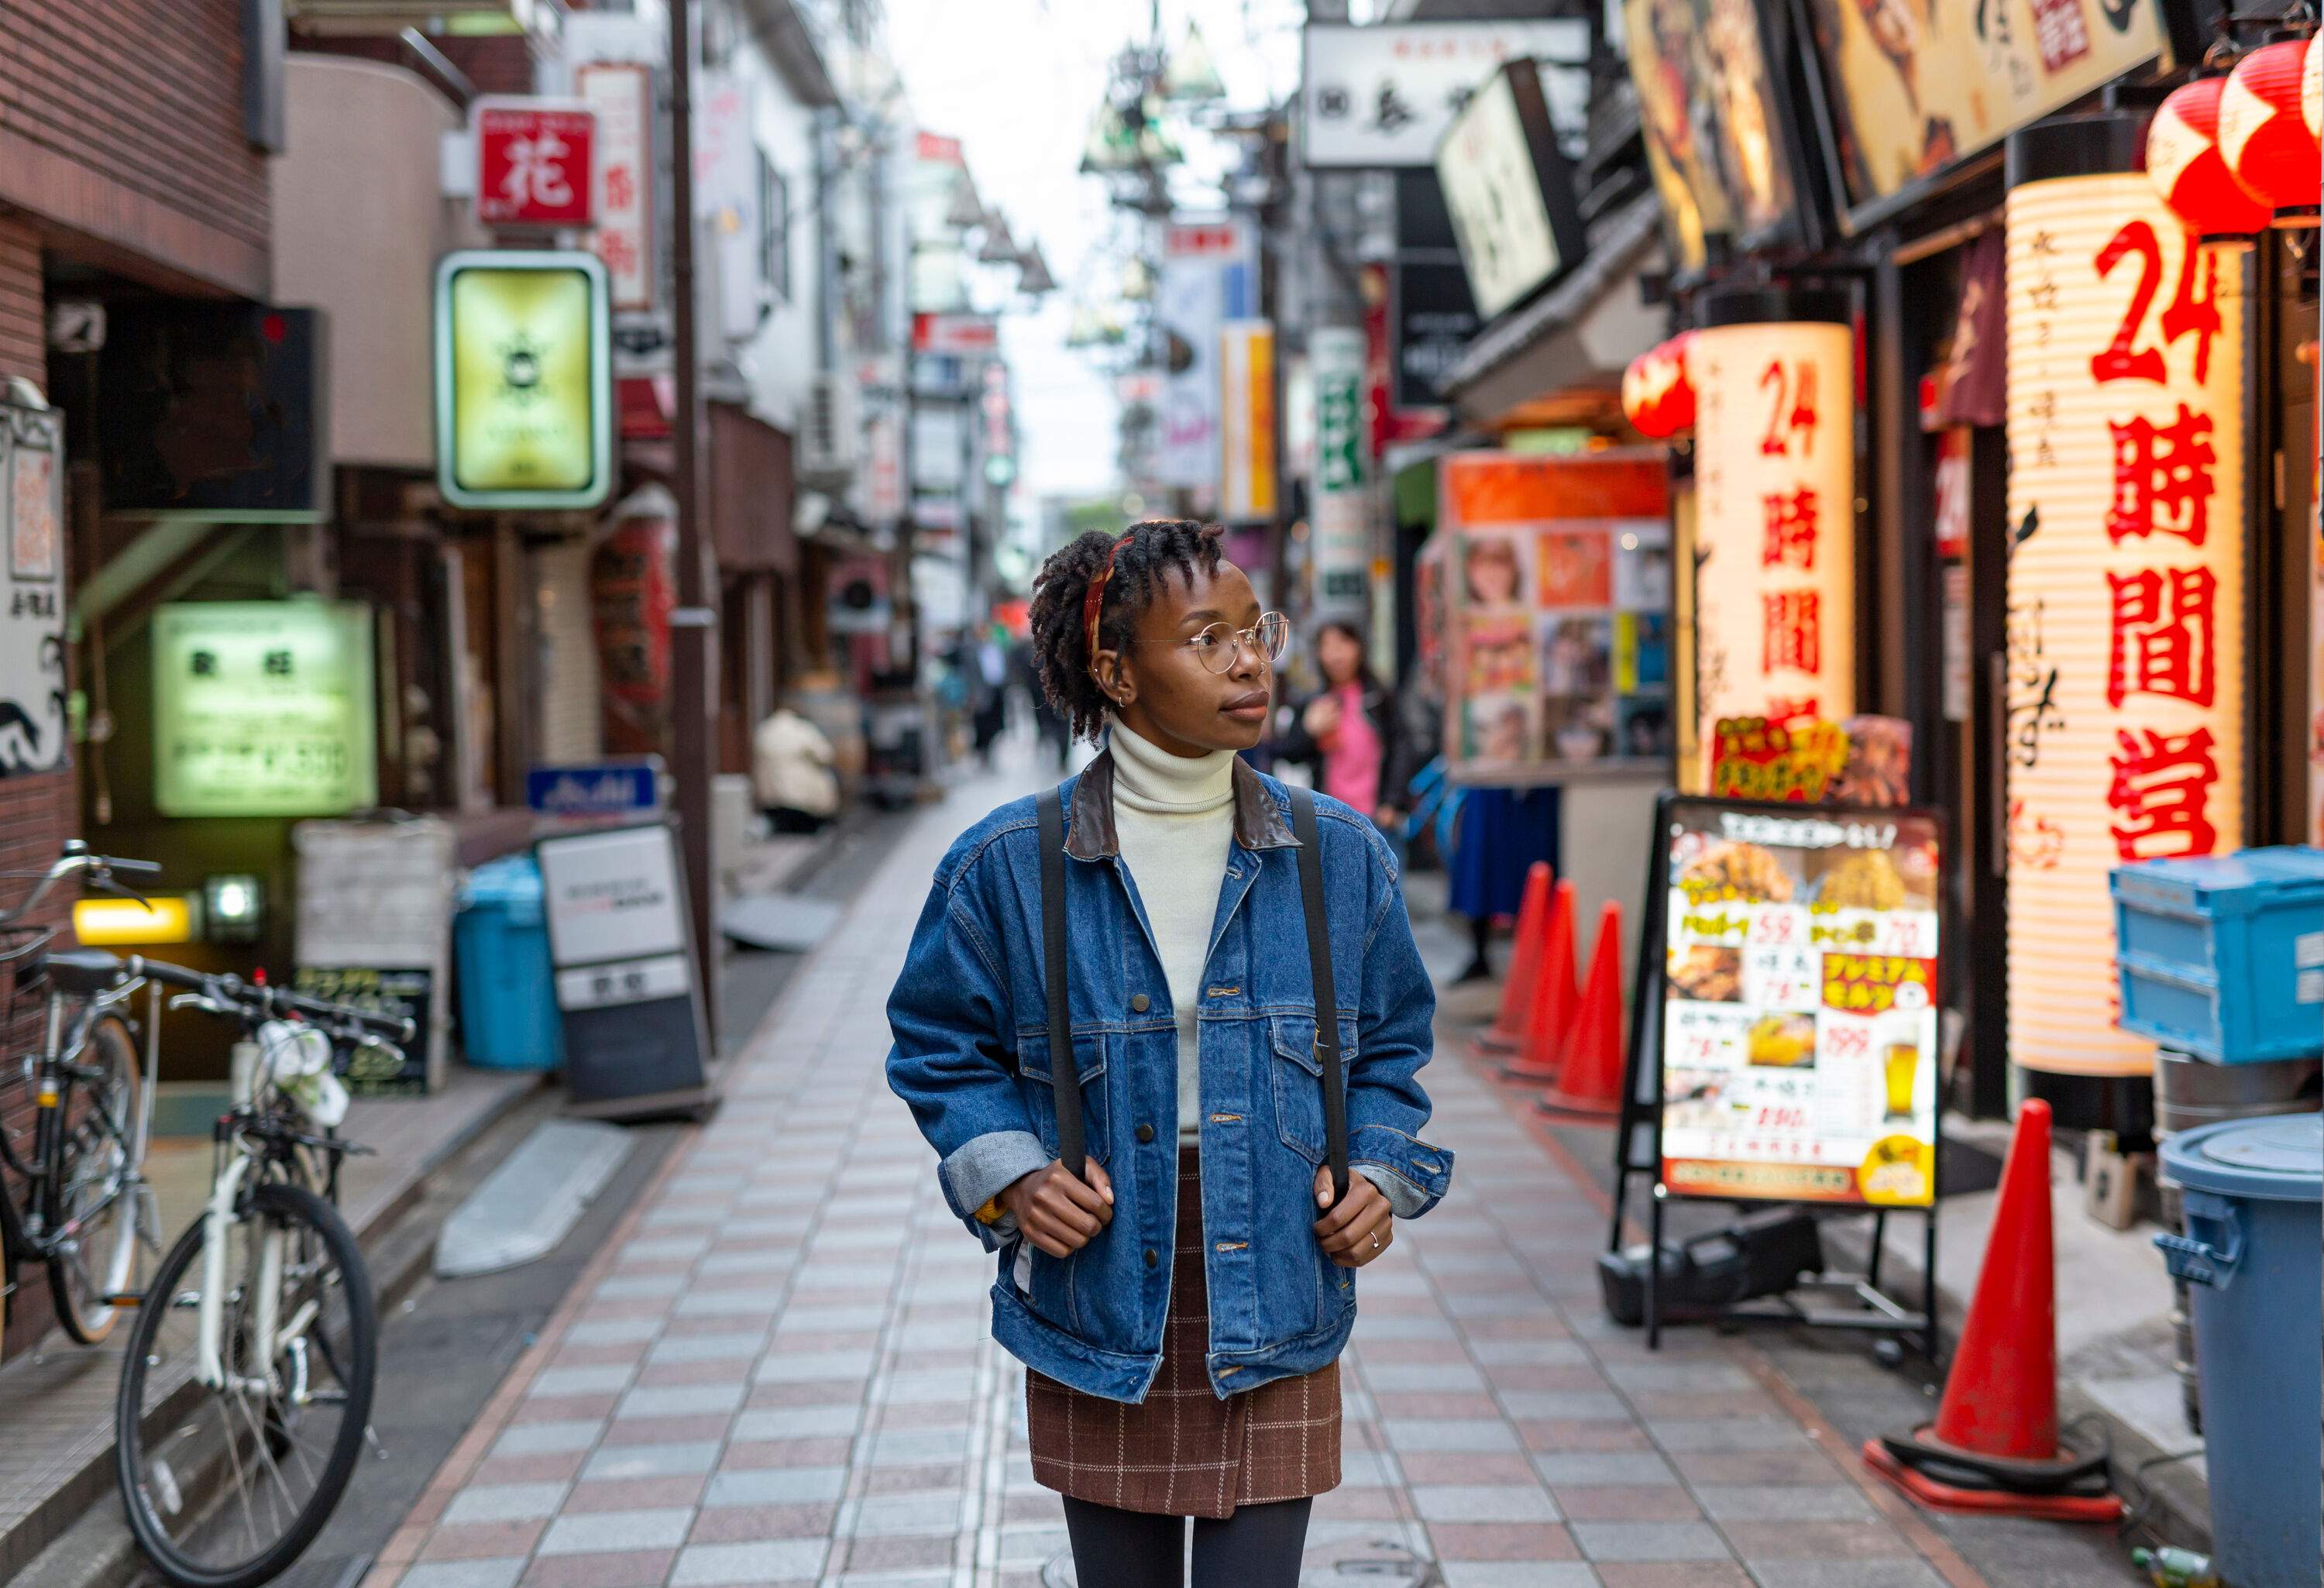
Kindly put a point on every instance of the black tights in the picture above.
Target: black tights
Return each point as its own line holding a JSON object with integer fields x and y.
{"x": 1259, "y": 1546}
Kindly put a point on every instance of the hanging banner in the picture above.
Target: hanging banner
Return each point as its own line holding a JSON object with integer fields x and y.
{"x": 621, "y": 93}
{"x": 1208, "y": 277}
{"x": 32, "y": 622}
{"x": 1247, "y": 481}
{"x": 1339, "y": 538}
{"x": 1774, "y": 553}
{"x": 2125, "y": 663}
{"x": 1799, "y": 1020}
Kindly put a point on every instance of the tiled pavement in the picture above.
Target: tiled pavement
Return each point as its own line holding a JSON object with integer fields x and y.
{"x": 778, "y": 1373}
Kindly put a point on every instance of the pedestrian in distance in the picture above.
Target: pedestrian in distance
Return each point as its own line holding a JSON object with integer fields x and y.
{"x": 1181, "y": 1301}
{"x": 1348, "y": 733}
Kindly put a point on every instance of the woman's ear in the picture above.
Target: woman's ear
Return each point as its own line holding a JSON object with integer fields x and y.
{"x": 1114, "y": 678}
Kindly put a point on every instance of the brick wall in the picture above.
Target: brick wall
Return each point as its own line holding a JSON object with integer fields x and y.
{"x": 121, "y": 128}
{"x": 38, "y": 813}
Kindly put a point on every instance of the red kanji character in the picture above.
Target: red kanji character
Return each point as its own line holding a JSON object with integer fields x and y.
{"x": 1784, "y": 708}
{"x": 621, "y": 187}
{"x": 2195, "y": 310}
{"x": 1792, "y": 413}
{"x": 2059, "y": 32}
{"x": 619, "y": 250}
{"x": 2162, "y": 632}
{"x": 1791, "y": 529}
{"x": 2123, "y": 359}
{"x": 2162, "y": 478}
{"x": 2162, "y": 787}
{"x": 1792, "y": 636}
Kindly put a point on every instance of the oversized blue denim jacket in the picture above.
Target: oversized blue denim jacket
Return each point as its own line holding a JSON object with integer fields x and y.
{"x": 970, "y": 1002}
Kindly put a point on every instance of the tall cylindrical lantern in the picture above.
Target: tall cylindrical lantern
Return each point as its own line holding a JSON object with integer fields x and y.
{"x": 2124, "y": 660}
{"x": 1775, "y": 555}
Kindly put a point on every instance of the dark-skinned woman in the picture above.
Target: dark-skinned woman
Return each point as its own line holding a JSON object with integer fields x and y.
{"x": 1182, "y": 1304}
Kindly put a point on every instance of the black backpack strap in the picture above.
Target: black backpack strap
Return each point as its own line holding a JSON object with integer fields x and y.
{"x": 1327, "y": 1001}
{"x": 1065, "y": 1078}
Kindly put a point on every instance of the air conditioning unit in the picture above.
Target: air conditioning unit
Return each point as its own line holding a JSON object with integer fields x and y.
{"x": 828, "y": 433}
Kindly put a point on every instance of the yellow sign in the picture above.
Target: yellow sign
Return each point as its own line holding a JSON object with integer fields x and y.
{"x": 2124, "y": 629}
{"x": 105, "y": 923}
{"x": 524, "y": 409}
{"x": 264, "y": 709}
{"x": 1247, "y": 420}
{"x": 1774, "y": 549}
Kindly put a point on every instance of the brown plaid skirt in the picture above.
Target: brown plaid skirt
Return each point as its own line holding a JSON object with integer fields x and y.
{"x": 1183, "y": 1452}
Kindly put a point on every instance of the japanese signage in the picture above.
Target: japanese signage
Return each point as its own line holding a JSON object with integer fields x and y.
{"x": 1340, "y": 539}
{"x": 1385, "y": 95}
{"x": 264, "y": 709}
{"x": 1917, "y": 85}
{"x": 1247, "y": 481}
{"x": 524, "y": 391}
{"x": 1434, "y": 317}
{"x": 1799, "y": 1000}
{"x": 597, "y": 789}
{"x": 1508, "y": 193}
{"x": 1715, "y": 141}
{"x": 535, "y": 162}
{"x": 1559, "y": 639}
{"x": 32, "y": 620}
{"x": 1209, "y": 276}
{"x": 1774, "y": 553}
{"x": 395, "y": 991}
{"x": 621, "y": 95}
{"x": 958, "y": 336}
{"x": 214, "y": 412}
{"x": 633, "y": 591}
{"x": 1863, "y": 761}
{"x": 2126, "y": 616}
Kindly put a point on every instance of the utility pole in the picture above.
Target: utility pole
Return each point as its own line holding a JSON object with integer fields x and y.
{"x": 694, "y": 624}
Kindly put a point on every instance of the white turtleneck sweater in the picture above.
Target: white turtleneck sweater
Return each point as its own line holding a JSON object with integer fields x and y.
{"x": 1174, "y": 816}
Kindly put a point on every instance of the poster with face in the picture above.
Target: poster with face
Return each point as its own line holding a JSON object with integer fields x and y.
{"x": 33, "y": 603}
{"x": 1699, "y": 67}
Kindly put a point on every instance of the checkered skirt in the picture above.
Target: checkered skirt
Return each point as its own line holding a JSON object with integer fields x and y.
{"x": 1183, "y": 1452}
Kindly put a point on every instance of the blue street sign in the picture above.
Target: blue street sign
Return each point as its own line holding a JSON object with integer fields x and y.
{"x": 609, "y": 787}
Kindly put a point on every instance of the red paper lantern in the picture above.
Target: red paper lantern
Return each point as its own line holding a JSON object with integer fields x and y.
{"x": 2311, "y": 88}
{"x": 2263, "y": 135}
{"x": 1658, "y": 393}
{"x": 2184, "y": 163}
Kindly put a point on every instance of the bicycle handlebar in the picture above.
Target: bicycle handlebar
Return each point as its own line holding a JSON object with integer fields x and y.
{"x": 76, "y": 857}
{"x": 262, "y": 1001}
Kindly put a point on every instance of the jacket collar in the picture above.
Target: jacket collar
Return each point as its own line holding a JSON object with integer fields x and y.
{"x": 1258, "y": 821}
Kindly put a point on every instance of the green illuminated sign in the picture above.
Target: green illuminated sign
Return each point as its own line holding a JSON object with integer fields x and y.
{"x": 524, "y": 392}
{"x": 264, "y": 709}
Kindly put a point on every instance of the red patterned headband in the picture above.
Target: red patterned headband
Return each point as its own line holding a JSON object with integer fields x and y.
{"x": 1094, "y": 600}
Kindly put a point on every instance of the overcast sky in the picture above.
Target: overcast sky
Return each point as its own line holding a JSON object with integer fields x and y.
{"x": 1016, "y": 81}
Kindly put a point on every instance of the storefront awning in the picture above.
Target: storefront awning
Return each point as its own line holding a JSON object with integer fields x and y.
{"x": 1582, "y": 335}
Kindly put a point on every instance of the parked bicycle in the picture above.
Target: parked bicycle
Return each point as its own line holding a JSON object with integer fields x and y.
{"x": 246, "y": 1389}
{"x": 85, "y": 1207}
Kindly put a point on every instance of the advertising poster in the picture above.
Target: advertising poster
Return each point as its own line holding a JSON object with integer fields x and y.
{"x": 1799, "y": 1000}
{"x": 32, "y": 622}
{"x": 1713, "y": 137}
{"x": 264, "y": 709}
{"x": 1207, "y": 278}
{"x": 1559, "y": 617}
{"x": 1915, "y": 86}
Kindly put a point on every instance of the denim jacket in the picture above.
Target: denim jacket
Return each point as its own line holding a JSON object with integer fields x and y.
{"x": 972, "y": 1057}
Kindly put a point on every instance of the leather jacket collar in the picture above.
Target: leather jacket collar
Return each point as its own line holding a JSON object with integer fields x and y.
{"x": 1258, "y": 822}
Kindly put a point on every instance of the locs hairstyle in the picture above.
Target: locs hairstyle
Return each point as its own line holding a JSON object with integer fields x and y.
{"x": 1142, "y": 558}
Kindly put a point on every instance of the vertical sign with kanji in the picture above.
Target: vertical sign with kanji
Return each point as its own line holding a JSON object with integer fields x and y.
{"x": 2124, "y": 660}
{"x": 535, "y": 162}
{"x": 1775, "y": 552}
{"x": 622, "y": 93}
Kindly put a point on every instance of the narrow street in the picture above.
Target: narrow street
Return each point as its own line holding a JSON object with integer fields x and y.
{"x": 774, "y": 1368}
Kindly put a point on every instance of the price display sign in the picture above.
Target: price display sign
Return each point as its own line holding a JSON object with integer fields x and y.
{"x": 1799, "y": 1002}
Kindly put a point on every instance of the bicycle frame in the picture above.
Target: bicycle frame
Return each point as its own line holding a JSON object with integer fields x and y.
{"x": 63, "y": 1040}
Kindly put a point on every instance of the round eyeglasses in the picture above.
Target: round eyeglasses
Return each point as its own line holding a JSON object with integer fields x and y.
{"x": 1219, "y": 645}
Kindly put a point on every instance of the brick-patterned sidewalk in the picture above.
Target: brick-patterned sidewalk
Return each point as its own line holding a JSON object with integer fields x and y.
{"x": 778, "y": 1373}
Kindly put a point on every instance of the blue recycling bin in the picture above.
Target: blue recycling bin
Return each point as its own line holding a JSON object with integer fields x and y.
{"x": 2255, "y": 1273}
{"x": 507, "y": 995}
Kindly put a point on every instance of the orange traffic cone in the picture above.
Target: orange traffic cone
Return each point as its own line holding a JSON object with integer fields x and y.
{"x": 1993, "y": 1447}
{"x": 1590, "y": 1083}
{"x": 1549, "y": 1017}
{"x": 1507, "y": 1032}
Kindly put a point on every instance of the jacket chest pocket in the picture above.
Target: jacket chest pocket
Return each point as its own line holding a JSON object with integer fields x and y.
{"x": 1035, "y": 1080}
{"x": 1299, "y": 1082}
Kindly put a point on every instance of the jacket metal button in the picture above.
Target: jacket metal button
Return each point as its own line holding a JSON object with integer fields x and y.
{"x": 1145, "y": 1133}
{"x": 1137, "y": 1001}
{"x": 1152, "y": 1260}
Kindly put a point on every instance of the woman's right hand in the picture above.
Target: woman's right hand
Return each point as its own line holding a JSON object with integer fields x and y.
{"x": 1321, "y": 718}
{"x": 1058, "y": 1213}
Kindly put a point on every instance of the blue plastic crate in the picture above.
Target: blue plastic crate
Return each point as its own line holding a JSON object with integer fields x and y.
{"x": 508, "y": 994}
{"x": 2223, "y": 957}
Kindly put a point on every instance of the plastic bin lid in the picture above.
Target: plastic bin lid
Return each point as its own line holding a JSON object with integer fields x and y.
{"x": 2279, "y": 1158}
{"x": 511, "y": 880}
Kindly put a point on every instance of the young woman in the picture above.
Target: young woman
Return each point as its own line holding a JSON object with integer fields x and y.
{"x": 1349, "y": 731}
{"x": 1181, "y": 1308}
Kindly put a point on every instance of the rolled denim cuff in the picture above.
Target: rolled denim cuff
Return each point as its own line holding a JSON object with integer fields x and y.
{"x": 983, "y": 1167}
{"x": 1405, "y": 1199}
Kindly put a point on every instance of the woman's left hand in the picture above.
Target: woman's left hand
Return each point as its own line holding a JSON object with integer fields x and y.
{"x": 1358, "y": 1229}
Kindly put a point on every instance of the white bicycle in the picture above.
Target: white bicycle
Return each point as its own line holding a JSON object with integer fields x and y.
{"x": 246, "y": 1391}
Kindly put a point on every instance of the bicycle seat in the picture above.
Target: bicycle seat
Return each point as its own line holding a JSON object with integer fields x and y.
{"x": 84, "y": 970}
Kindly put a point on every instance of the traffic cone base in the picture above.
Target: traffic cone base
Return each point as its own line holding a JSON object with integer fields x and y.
{"x": 2083, "y": 1498}
{"x": 1589, "y": 1078}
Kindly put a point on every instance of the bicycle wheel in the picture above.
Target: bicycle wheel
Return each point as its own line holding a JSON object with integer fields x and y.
{"x": 96, "y": 1201}
{"x": 226, "y": 1486}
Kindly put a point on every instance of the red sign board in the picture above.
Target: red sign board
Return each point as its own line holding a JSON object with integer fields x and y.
{"x": 958, "y": 334}
{"x": 534, "y": 162}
